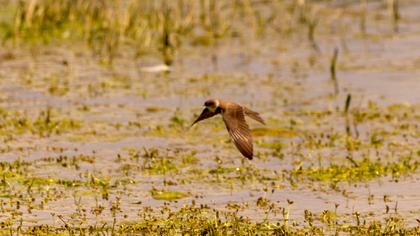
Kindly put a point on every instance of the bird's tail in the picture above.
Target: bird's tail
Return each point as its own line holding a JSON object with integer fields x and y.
{"x": 253, "y": 115}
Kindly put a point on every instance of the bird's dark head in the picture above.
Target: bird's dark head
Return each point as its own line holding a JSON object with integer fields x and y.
{"x": 212, "y": 104}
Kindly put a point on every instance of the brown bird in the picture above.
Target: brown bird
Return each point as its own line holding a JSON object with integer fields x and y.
{"x": 234, "y": 117}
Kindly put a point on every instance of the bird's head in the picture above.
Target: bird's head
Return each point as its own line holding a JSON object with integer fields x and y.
{"x": 212, "y": 104}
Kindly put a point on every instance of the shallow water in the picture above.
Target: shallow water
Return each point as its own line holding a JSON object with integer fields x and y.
{"x": 123, "y": 110}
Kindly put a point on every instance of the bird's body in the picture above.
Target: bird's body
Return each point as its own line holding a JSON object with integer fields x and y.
{"x": 234, "y": 117}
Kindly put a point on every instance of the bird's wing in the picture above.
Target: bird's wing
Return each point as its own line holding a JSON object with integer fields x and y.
{"x": 254, "y": 115}
{"x": 234, "y": 119}
{"x": 205, "y": 114}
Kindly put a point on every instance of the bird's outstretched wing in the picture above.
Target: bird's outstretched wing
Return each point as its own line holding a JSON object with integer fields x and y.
{"x": 238, "y": 129}
{"x": 205, "y": 114}
{"x": 253, "y": 115}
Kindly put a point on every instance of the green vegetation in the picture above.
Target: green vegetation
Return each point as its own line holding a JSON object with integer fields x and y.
{"x": 167, "y": 195}
{"x": 194, "y": 220}
{"x": 96, "y": 135}
{"x": 364, "y": 170}
{"x": 45, "y": 123}
{"x": 108, "y": 26}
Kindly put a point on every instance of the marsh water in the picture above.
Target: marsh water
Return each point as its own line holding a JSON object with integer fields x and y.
{"x": 117, "y": 138}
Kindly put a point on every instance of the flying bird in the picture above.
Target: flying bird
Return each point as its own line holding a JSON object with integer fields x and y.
{"x": 234, "y": 117}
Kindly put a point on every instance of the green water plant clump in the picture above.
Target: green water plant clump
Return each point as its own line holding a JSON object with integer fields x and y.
{"x": 365, "y": 170}
{"x": 201, "y": 220}
{"x": 47, "y": 122}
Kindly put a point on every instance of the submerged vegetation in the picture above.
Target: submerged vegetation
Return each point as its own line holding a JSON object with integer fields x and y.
{"x": 96, "y": 135}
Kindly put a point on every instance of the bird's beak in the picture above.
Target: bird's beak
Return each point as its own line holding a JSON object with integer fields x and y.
{"x": 199, "y": 118}
{"x": 194, "y": 122}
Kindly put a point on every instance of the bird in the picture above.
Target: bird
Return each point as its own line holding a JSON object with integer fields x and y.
{"x": 233, "y": 115}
